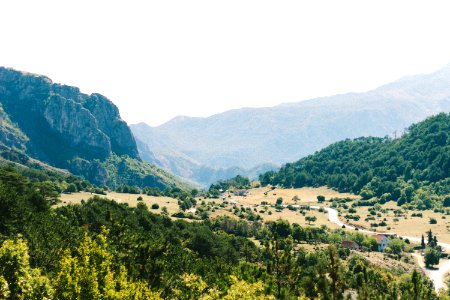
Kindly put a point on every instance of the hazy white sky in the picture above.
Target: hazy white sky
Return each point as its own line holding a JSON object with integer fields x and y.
{"x": 159, "y": 59}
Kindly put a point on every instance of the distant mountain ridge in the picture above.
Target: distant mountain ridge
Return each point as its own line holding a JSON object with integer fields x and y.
{"x": 61, "y": 126}
{"x": 249, "y": 137}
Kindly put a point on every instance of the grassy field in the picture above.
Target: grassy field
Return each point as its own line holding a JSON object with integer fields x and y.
{"x": 131, "y": 199}
{"x": 397, "y": 220}
{"x": 403, "y": 223}
{"x": 255, "y": 197}
{"x": 306, "y": 195}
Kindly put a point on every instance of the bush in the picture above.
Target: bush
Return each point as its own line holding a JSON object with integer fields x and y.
{"x": 432, "y": 256}
{"x": 155, "y": 206}
{"x": 71, "y": 188}
{"x": 433, "y": 221}
{"x": 139, "y": 198}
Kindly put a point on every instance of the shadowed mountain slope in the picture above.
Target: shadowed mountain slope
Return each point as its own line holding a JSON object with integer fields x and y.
{"x": 65, "y": 128}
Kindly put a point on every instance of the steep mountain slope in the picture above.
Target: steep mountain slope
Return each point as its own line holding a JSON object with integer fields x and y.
{"x": 414, "y": 168}
{"x": 63, "y": 127}
{"x": 248, "y": 137}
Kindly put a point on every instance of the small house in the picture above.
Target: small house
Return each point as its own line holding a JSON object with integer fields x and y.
{"x": 350, "y": 245}
{"x": 240, "y": 192}
{"x": 383, "y": 241}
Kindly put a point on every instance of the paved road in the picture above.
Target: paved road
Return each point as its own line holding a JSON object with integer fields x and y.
{"x": 437, "y": 276}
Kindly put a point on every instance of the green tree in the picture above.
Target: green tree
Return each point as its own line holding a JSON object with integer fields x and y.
{"x": 279, "y": 201}
{"x": 71, "y": 188}
{"x": 397, "y": 246}
{"x": 164, "y": 211}
{"x": 447, "y": 201}
{"x": 336, "y": 273}
{"x": 17, "y": 279}
{"x": 310, "y": 219}
{"x": 432, "y": 256}
{"x": 430, "y": 238}
{"x": 90, "y": 275}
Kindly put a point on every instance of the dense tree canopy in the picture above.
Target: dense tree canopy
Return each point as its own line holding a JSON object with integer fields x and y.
{"x": 414, "y": 168}
{"x": 101, "y": 249}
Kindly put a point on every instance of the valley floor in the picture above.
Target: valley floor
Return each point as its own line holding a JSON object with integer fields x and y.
{"x": 261, "y": 201}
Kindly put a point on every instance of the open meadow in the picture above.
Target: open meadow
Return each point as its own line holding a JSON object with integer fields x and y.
{"x": 131, "y": 199}
{"x": 261, "y": 201}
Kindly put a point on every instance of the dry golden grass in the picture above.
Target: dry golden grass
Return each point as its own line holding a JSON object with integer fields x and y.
{"x": 296, "y": 217}
{"x": 131, "y": 199}
{"x": 406, "y": 225}
{"x": 411, "y": 226}
{"x": 307, "y": 195}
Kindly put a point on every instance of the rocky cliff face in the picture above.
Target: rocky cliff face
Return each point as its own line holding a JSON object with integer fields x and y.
{"x": 10, "y": 135}
{"x": 60, "y": 125}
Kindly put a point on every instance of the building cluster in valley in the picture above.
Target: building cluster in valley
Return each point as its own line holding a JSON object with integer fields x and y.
{"x": 382, "y": 241}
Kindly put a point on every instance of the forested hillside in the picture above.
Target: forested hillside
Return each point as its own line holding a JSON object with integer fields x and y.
{"x": 104, "y": 250}
{"x": 414, "y": 168}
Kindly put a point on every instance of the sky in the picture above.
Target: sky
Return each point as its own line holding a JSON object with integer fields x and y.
{"x": 159, "y": 59}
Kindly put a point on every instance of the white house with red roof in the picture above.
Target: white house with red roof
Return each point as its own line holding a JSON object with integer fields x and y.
{"x": 383, "y": 241}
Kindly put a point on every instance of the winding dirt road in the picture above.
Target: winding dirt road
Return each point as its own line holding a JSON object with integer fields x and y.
{"x": 437, "y": 276}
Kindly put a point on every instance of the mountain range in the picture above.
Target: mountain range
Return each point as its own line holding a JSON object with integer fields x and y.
{"x": 239, "y": 141}
{"x": 42, "y": 121}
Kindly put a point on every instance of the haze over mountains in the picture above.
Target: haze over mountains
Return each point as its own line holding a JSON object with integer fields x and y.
{"x": 203, "y": 149}
{"x": 61, "y": 126}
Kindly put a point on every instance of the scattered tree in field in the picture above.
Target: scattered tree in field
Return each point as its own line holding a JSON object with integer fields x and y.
{"x": 164, "y": 211}
{"x": 71, "y": 188}
{"x": 447, "y": 201}
{"x": 194, "y": 192}
{"x": 279, "y": 201}
{"x": 310, "y": 219}
{"x": 320, "y": 199}
{"x": 432, "y": 239}
{"x": 432, "y": 256}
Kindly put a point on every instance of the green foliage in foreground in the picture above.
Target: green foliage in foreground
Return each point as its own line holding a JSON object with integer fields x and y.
{"x": 413, "y": 169}
{"x": 105, "y": 250}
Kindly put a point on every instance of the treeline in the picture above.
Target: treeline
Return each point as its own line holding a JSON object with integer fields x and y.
{"x": 104, "y": 250}
{"x": 237, "y": 182}
{"x": 413, "y": 169}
